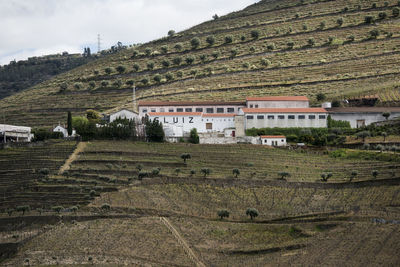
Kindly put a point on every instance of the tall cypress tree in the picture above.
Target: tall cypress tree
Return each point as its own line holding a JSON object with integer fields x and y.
{"x": 69, "y": 123}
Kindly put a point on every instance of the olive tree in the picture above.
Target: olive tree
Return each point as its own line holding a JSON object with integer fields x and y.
{"x": 252, "y": 212}
{"x": 185, "y": 156}
{"x": 223, "y": 214}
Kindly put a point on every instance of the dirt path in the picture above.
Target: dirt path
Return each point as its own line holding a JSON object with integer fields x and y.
{"x": 182, "y": 242}
{"x": 79, "y": 148}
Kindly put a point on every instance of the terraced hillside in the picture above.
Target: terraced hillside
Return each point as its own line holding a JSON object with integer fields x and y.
{"x": 28, "y": 176}
{"x": 305, "y": 47}
{"x": 172, "y": 215}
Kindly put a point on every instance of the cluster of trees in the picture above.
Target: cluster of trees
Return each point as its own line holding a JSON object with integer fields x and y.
{"x": 251, "y": 212}
{"x": 23, "y": 74}
{"x": 120, "y": 129}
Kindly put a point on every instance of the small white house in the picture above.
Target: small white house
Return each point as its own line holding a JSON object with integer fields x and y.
{"x": 64, "y": 131}
{"x": 273, "y": 140}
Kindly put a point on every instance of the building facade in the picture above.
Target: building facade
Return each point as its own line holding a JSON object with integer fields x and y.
{"x": 12, "y": 133}
{"x": 285, "y": 117}
{"x": 231, "y": 119}
{"x": 273, "y": 140}
{"x": 363, "y": 116}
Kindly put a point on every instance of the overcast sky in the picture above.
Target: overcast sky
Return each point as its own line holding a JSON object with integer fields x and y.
{"x": 40, "y": 27}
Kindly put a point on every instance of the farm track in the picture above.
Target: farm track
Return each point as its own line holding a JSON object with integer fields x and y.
{"x": 67, "y": 165}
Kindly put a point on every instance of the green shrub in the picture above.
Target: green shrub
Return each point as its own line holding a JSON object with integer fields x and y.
{"x": 157, "y": 78}
{"x": 178, "y": 47}
{"x": 234, "y": 53}
{"x": 121, "y": 69}
{"x": 106, "y": 207}
{"x": 215, "y": 54}
{"x": 236, "y": 172}
{"x": 194, "y": 137}
{"x": 155, "y": 172}
{"x": 322, "y": 25}
{"x": 164, "y": 49}
{"x": 283, "y": 175}
{"x": 350, "y": 38}
{"x": 369, "y": 19}
{"x": 150, "y": 65}
{"x": 144, "y": 81}
{"x": 92, "y": 84}
{"x": 44, "y": 171}
{"x": 171, "y": 33}
{"x": 255, "y": 34}
{"x": 223, "y": 214}
{"x": 205, "y": 172}
{"x": 23, "y": 209}
{"x": 382, "y": 15}
{"x": 271, "y": 46}
{"x": 136, "y": 67}
{"x": 339, "y": 21}
{"x": 108, "y": 70}
{"x": 169, "y": 76}
{"x": 374, "y": 34}
{"x": 165, "y": 63}
{"x": 396, "y": 12}
{"x": 130, "y": 82}
{"x": 290, "y": 44}
{"x": 189, "y": 60}
{"x": 228, "y": 39}
{"x": 195, "y": 42}
{"x": 177, "y": 61}
{"x": 210, "y": 40}
{"x": 57, "y": 209}
{"x": 148, "y": 51}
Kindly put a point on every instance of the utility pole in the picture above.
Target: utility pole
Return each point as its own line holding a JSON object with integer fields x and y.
{"x": 98, "y": 43}
{"x": 134, "y": 98}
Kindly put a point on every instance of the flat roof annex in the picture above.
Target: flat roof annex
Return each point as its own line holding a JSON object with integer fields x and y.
{"x": 284, "y": 110}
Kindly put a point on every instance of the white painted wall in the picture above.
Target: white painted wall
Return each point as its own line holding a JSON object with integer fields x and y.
{"x": 62, "y": 130}
{"x": 180, "y": 124}
{"x": 123, "y": 114}
{"x": 259, "y": 122}
{"x": 368, "y": 117}
{"x": 281, "y": 141}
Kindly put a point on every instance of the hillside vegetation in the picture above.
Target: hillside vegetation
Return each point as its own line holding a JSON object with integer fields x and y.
{"x": 339, "y": 48}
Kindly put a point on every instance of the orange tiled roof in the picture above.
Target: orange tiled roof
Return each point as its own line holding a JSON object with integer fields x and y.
{"x": 273, "y": 136}
{"x": 218, "y": 115}
{"x": 189, "y": 103}
{"x": 278, "y": 98}
{"x": 284, "y": 110}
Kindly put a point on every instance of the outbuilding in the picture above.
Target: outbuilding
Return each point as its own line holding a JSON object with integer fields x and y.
{"x": 273, "y": 140}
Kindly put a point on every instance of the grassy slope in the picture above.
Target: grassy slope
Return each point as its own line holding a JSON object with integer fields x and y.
{"x": 263, "y": 66}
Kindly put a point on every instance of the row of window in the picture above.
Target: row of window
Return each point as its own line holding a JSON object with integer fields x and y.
{"x": 282, "y": 117}
{"x": 207, "y": 110}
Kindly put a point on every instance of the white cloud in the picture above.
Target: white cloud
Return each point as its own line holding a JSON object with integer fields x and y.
{"x": 37, "y": 27}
